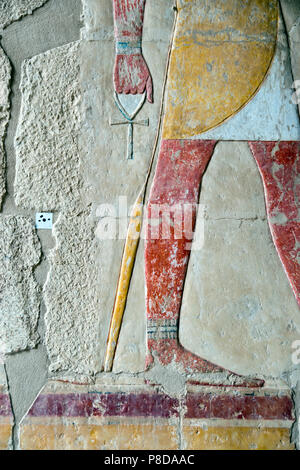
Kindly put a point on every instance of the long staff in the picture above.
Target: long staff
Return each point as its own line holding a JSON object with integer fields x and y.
{"x": 132, "y": 239}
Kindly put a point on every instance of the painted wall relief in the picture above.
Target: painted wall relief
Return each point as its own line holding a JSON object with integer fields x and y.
{"x": 208, "y": 81}
{"x": 131, "y": 73}
{"x": 226, "y": 62}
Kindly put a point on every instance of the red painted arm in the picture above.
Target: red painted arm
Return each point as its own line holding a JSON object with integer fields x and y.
{"x": 131, "y": 73}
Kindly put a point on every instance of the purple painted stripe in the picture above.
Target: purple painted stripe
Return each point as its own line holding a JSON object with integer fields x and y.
{"x": 105, "y": 404}
{"x": 5, "y": 408}
{"x": 206, "y": 405}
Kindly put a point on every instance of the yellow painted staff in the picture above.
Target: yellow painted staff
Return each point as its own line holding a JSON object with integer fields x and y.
{"x": 130, "y": 249}
{"x": 132, "y": 241}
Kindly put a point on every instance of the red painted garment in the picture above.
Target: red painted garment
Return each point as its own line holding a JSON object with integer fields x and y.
{"x": 131, "y": 73}
{"x": 129, "y": 17}
{"x": 178, "y": 174}
{"x": 279, "y": 166}
{"x": 176, "y": 184}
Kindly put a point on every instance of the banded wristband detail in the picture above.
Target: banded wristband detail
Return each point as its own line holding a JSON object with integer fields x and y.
{"x": 128, "y": 47}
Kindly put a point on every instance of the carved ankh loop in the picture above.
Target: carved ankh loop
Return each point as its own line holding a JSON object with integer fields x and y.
{"x": 129, "y": 120}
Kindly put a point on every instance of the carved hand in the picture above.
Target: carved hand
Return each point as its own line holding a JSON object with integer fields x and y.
{"x": 132, "y": 76}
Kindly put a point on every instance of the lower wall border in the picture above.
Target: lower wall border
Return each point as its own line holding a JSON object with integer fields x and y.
{"x": 141, "y": 417}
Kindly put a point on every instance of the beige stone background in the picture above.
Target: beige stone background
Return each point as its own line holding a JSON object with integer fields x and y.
{"x": 61, "y": 155}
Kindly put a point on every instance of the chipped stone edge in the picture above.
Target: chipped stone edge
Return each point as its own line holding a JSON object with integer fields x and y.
{"x": 18, "y": 16}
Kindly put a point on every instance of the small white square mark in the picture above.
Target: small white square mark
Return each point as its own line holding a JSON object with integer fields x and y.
{"x": 44, "y": 220}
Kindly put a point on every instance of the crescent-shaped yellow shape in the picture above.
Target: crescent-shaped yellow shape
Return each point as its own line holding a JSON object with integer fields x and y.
{"x": 222, "y": 51}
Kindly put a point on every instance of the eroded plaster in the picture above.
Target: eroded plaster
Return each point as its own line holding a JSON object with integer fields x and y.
{"x": 5, "y": 77}
{"x": 46, "y": 143}
{"x": 20, "y": 295}
{"x": 13, "y": 10}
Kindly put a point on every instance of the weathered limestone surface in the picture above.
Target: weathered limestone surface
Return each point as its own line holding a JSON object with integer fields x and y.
{"x": 20, "y": 295}
{"x": 12, "y": 10}
{"x": 238, "y": 308}
{"x": 47, "y": 148}
{"x": 71, "y": 296}
{"x": 5, "y": 75}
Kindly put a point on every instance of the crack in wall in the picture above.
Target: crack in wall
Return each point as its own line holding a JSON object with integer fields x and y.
{"x": 295, "y": 433}
{"x": 12, "y": 443}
